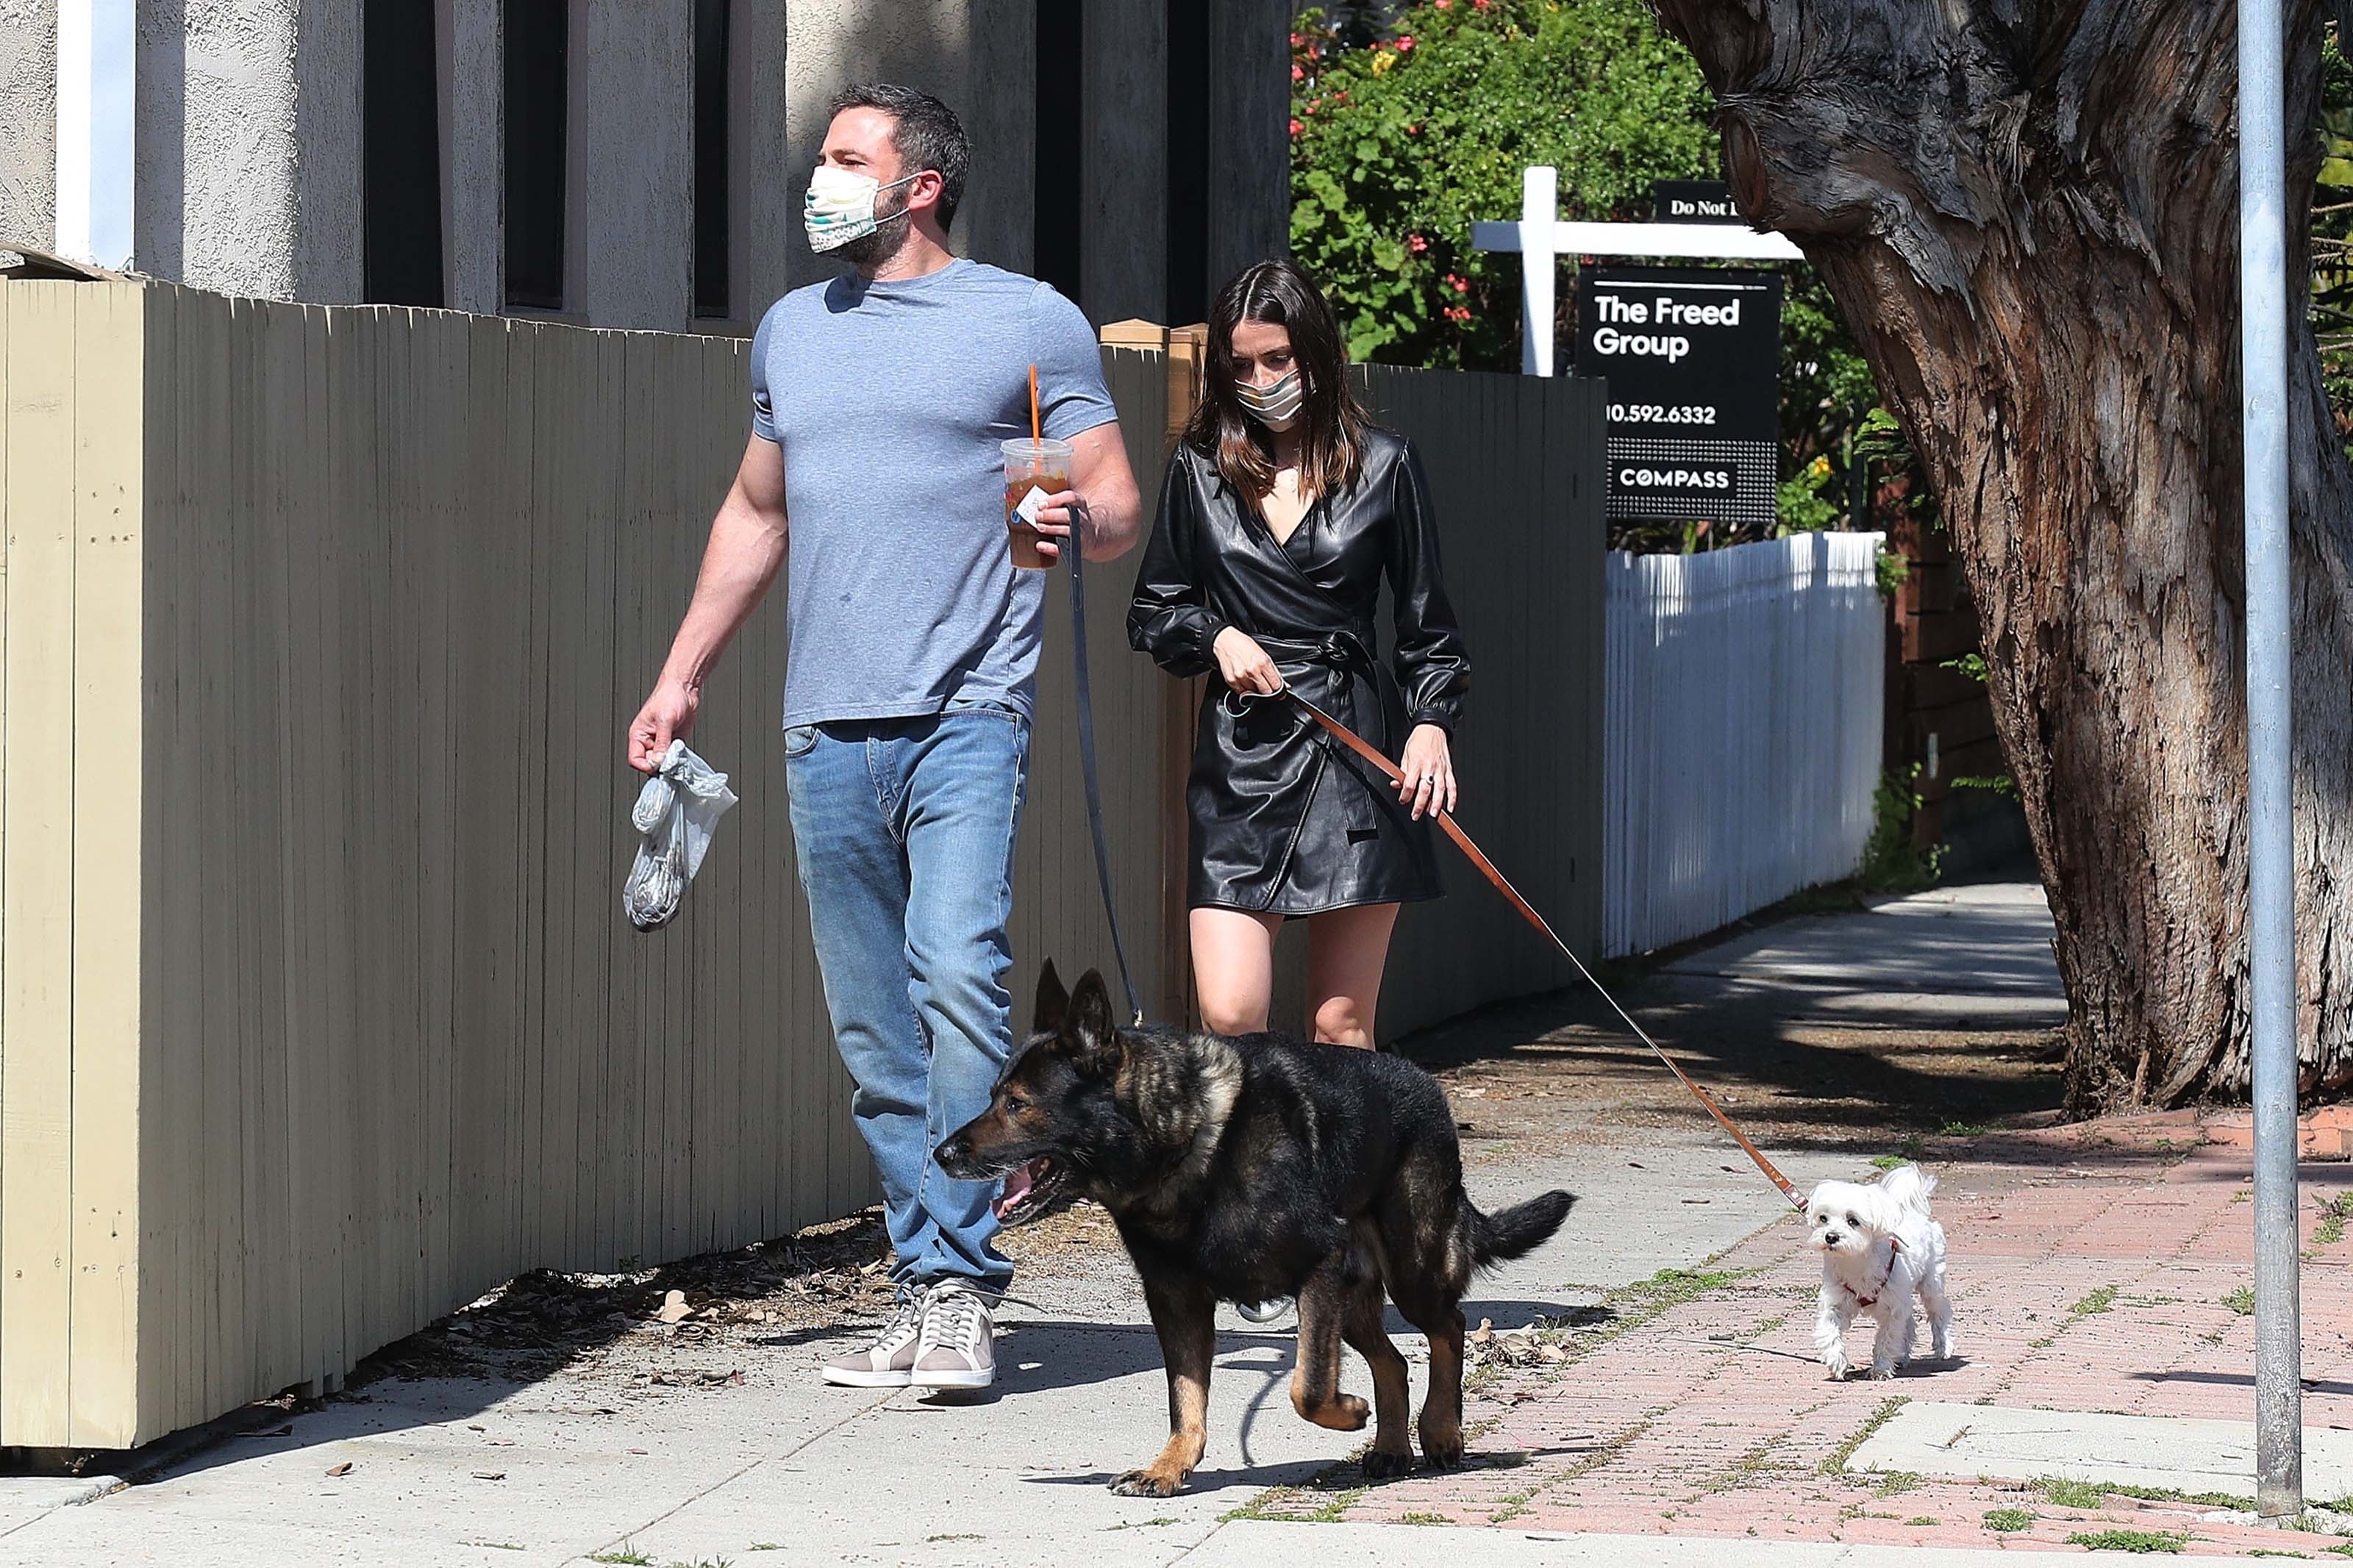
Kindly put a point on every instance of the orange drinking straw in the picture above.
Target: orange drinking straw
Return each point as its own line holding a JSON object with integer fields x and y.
{"x": 1035, "y": 433}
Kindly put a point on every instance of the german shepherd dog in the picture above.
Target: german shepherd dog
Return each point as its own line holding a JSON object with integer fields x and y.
{"x": 1246, "y": 1171}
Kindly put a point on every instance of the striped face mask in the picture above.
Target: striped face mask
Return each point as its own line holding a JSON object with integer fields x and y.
{"x": 1275, "y": 405}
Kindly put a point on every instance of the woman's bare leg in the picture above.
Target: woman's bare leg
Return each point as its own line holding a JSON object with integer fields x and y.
{"x": 1233, "y": 969}
{"x": 1346, "y": 950}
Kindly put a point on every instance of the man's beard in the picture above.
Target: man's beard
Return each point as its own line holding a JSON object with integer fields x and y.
{"x": 891, "y": 231}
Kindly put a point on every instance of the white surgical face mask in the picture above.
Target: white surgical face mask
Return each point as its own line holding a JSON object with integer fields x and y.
{"x": 1276, "y": 406}
{"x": 839, "y": 207}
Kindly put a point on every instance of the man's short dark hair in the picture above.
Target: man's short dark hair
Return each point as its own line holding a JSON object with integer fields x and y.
{"x": 928, "y": 135}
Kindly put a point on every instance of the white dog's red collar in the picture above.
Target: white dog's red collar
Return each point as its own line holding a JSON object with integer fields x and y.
{"x": 1894, "y": 1247}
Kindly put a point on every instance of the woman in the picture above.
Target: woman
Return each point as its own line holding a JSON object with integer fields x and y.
{"x": 1282, "y": 510}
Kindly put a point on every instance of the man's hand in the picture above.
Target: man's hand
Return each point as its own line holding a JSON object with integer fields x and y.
{"x": 668, "y": 715}
{"x": 1244, "y": 664}
{"x": 1063, "y": 510}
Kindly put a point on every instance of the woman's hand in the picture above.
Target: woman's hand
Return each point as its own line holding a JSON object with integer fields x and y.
{"x": 1429, "y": 769}
{"x": 1247, "y": 668}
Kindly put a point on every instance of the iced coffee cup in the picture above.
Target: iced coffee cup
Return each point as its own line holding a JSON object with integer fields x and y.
{"x": 1035, "y": 471}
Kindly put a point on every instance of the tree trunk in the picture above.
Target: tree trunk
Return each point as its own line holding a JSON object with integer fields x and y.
{"x": 2029, "y": 214}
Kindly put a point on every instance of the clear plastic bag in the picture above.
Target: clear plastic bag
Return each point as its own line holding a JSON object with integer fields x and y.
{"x": 677, "y": 812}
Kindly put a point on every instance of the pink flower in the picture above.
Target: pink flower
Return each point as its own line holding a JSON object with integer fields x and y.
{"x": 1461, "y": 285}
{"x": 1479, "y": 5}
{"x": 1413, "y": 130}
{"x": 1296, "y": 40}
{"x": 1298, "y": 73}
{"x": 1405, "y": 45}
{"x": 1458, "y": 313}
{"x": 1446, "y": 4}
{"x": 1415, "y": 243}
{"x": 1297, "y": 128}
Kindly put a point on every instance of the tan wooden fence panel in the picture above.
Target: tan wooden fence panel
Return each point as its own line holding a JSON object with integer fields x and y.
{"x": 317, "y": 1017}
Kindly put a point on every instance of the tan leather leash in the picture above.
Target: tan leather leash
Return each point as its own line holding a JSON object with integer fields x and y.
{"x": 1503, "y": 885}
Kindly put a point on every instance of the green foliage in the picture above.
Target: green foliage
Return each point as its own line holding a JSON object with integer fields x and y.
{"x": 2129, "y": 1539}
{"x": 2242, "y": 1301}
{"x": 1404, "y": 140}
{"x": 2007, "y": 1520}
{"x": 1412, "y": 122}
{"x": 2332, "y": 233}
{"x": 1891, "y": 572}
{"x": 2064, "y": 1493}
{"x": 1890, "y": 862}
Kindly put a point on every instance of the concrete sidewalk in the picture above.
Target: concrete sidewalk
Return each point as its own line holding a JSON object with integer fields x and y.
{"x": 669, "y": 1447}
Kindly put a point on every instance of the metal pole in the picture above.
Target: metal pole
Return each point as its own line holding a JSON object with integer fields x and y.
{"x": 2270, "y": 854}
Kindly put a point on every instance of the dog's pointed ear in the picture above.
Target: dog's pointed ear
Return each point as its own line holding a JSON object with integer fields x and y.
{"x": 1092, "y": 1026}
{"x": 1053, "y": 1003}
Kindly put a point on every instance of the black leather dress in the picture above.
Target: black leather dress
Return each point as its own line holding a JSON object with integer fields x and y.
{"x": 1285, "y": 821}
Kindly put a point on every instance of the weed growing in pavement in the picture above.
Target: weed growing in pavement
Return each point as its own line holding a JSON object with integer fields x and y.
{"x": 2267, "y": 1551}
{"x": 2129, "y": 1539}
{"x": 1887, "y": 1161}
{"x": 1836, "y": 1463}
{"x": 2007, "y": 1520}
{"x": 2333, "y": 1215}
{"x": 1298, "y": 1505}
{"x": 2242, "y": 1301}
{"x": 2092, "y": 1305}
{"x": 624, "y": 1553}
{"x": 1918, "y": 1520}
{"x": 2064, "y": 1493}
{"x": 1423, "y": 1519}
{"x": 1960, "y": 1130}
{"x": 1897, "y": 1481}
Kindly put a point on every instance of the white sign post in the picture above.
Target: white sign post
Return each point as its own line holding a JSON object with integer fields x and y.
{"x": 1541, "y": 238}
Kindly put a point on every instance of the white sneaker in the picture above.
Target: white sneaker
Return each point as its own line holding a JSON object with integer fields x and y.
{"x": 958, "y": 1348}
{"x": 890, "y": 1360}
{"x": 1264, "y": 1311}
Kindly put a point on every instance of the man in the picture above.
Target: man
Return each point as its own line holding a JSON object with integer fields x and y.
{"x": 879, "y": 400}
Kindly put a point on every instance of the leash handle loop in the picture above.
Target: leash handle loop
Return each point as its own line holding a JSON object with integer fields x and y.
{"x": 1503, "y": 885}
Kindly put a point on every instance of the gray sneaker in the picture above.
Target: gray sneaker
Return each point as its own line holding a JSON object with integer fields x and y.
{"x": 957, "y": 1349}
{"x": 890, "y": 1360}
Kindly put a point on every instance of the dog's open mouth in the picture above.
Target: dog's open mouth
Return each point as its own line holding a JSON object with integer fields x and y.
{"x": 1030, "y": 1190}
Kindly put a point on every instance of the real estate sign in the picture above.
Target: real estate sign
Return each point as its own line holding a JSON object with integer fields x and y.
{"x": 1693, "y": 356}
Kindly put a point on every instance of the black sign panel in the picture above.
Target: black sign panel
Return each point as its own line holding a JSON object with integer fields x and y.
{"x": 1693, "y": 356}
{"x": 1692, "y": 201}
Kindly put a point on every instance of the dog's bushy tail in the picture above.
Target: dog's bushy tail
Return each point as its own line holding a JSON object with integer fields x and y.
{"x": 1517, "y": 1231}
{"x": 1908, "y": 1187}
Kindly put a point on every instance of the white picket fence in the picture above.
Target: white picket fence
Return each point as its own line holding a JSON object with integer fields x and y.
{"x": 1742, "y": 729}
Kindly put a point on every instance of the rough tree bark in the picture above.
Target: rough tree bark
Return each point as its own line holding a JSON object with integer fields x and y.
{"x": 2028, "y": 213}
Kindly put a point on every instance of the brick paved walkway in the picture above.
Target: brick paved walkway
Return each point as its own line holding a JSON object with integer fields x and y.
{"x": 2091, "y": 1272}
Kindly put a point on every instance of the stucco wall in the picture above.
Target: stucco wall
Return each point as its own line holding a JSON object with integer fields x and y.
{"x": 469, "y": 35}
{"x": 29, "y": 121}
{"x": 214, "y": 203}
{"x": 630, "y": 262}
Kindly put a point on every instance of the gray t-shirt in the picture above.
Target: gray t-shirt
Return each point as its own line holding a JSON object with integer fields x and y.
{"x": 888, "y": 400}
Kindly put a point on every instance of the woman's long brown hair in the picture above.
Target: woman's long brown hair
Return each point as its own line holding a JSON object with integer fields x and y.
{"x": 1332, "y": 422}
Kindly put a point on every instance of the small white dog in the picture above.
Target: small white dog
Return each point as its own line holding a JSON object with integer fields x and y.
{"x": 1879, "y": 1246}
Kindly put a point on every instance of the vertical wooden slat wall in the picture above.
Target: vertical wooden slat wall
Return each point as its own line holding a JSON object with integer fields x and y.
{"x": 318, "y": 627}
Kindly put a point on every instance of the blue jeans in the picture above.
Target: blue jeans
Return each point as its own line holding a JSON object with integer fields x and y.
{"x": 903, "y": 830}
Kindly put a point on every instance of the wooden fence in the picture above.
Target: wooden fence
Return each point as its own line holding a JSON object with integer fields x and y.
{"x": 1743, "y": 729}
{"x": 317, "y": 1013}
